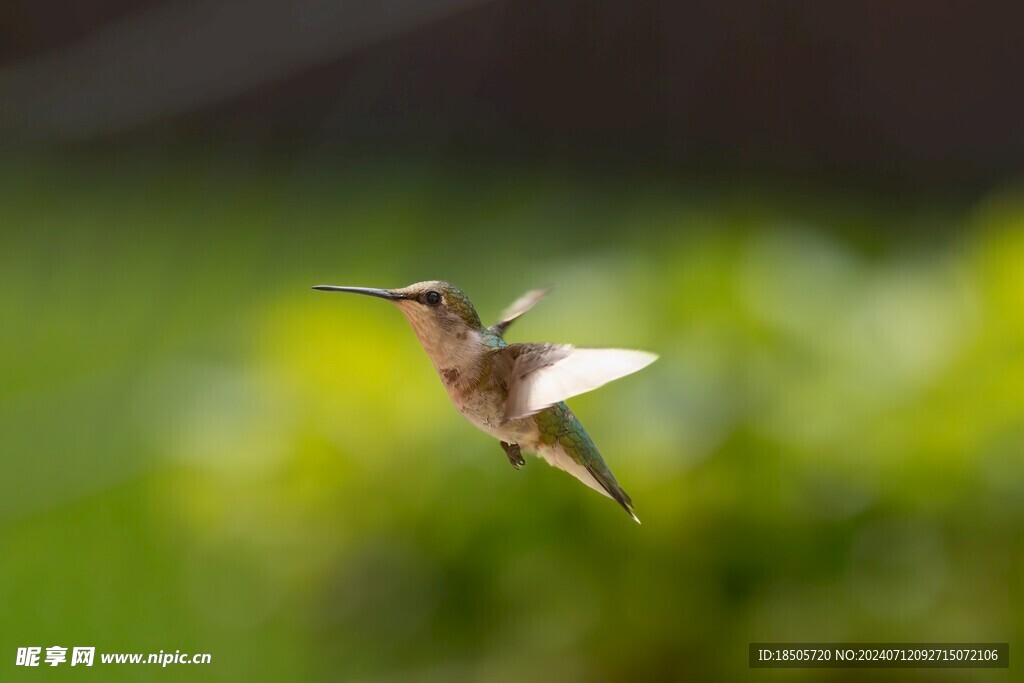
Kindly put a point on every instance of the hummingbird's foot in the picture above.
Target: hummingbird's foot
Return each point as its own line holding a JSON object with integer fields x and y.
{"x": 515, "y": 456}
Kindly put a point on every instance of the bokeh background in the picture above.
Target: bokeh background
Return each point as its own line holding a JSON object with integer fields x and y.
{"x": 812, "y": 212}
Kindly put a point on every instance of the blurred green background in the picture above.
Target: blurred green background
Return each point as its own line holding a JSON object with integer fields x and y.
{"x": 203, "y": 454}
{"x": 811, "y": 212}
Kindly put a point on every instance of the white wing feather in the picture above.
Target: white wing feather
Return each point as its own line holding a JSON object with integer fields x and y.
{"x": 536, "y": 384}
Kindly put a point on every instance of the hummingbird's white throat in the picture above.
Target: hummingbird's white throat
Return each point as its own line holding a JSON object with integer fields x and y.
{"x": 450, "y": 344}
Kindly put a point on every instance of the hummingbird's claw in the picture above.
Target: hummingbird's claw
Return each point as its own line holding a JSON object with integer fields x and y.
{"x": 515, "y": 455}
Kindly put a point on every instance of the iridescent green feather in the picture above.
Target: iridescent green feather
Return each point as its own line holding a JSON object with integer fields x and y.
{"x": 460, "y": 304}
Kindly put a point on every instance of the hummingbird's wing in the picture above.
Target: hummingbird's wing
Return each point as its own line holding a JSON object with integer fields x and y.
{"x": 541, "y": 375}
{"x": 517, "y": 308}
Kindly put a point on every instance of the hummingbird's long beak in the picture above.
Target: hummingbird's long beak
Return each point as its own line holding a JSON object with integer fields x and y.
{"x": 368, "y": 291}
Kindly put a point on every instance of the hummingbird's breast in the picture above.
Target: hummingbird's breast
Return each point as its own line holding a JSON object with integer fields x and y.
{"x": 478, "y": 389}
{"x": 465, "y": 361}
{"x": 484, "y": 406}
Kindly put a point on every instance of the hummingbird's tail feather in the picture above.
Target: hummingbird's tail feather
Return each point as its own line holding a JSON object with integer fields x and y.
{"x": 604, "y": 477}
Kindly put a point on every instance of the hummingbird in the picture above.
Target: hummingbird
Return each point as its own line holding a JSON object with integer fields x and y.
{"x": 514, "y": 392}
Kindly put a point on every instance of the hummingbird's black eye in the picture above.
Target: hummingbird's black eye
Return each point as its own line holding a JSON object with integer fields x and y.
{"x": 433, "y": 298}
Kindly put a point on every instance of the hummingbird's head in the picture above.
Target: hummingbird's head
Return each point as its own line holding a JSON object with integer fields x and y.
{"x": 437, "y": 310}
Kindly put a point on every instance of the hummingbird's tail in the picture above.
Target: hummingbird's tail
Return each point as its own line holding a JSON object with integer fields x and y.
{"x": 574, "y": 452}
{"x": 587, "y": 465}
